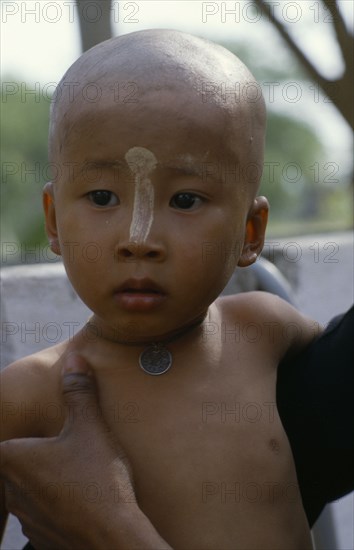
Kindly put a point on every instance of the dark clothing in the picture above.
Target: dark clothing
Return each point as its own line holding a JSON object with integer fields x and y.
{"x": 315, "y": 398}
{"x": 316, "y": 405}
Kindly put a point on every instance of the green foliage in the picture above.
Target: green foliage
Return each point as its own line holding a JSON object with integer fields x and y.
{"x": 289, "y": 169}
{"x": 24, "y": 129}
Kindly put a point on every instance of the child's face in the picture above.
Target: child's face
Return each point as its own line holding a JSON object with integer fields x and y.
{"x": 149, "y": 219}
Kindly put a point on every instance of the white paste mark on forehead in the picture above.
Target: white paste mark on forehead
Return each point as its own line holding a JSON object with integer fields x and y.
{"x": 141, "y": 162}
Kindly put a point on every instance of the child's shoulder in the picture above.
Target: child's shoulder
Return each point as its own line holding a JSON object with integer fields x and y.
{"x": 270, "y": 314}
{"x": 30, "y": 394}
{"x": 260, "y": 305}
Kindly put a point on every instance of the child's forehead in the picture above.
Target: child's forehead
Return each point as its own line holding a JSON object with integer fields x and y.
{"x": 164, "y": 122}
{"x": 171, "y": 111}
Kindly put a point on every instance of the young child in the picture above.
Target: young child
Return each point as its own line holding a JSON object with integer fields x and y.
{"x": 157, "y": 139}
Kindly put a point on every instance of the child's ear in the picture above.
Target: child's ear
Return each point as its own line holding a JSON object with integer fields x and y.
{"x": 255, "y": 232}
{"x": 50, "y": 218}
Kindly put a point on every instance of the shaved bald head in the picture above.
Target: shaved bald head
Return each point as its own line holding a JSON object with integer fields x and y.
{"x": 155, "y": 63}
{"x": 158, "y": 57}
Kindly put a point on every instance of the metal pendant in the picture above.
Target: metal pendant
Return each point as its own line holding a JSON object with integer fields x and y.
{"x": 155, "y": 359}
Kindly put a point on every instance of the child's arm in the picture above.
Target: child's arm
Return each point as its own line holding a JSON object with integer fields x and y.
{"x": 297, "y": 330}
{"x": 19, "y": 386}
{"x": 284, "y": 329}
{"x": 9, "y": 426}
{"x": 4, "y": 431}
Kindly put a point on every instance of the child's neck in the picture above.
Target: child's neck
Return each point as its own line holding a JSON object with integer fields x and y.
{"x": 95, "y": 328}
{"x": 155, "y": 356}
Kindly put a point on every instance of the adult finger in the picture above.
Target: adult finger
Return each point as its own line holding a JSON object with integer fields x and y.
{"x": 83, "y": 411}
{"x": 79, "y": 393}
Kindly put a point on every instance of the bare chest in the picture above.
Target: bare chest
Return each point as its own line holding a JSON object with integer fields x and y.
{"x": 209, "y": 454}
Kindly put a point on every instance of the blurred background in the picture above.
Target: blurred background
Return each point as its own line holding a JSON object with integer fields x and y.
{"x": 300, "y": 52}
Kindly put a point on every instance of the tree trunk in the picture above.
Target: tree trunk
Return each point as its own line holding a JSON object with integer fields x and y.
{"x": 95, "y": 22}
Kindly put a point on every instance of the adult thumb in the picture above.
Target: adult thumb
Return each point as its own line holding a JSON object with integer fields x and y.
{"x": 79, "y": 392}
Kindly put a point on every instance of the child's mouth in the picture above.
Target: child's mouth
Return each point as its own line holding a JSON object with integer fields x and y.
{"x": 139, "y": 295}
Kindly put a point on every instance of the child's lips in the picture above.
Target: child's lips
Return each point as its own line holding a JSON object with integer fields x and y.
{"x": 139, "y": 295}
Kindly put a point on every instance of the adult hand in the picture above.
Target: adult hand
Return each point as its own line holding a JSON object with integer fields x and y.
{"x": 75, "y": 490}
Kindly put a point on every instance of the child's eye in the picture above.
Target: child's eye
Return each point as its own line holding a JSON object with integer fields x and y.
{"x": 185, "y": 201}
{"x": 103, "y": 198}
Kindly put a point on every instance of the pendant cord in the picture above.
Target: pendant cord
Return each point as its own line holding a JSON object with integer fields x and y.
{"x": 156, "y": 359}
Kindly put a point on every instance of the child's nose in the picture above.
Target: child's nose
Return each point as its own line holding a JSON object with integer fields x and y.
{"x": 130, "y": 250}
